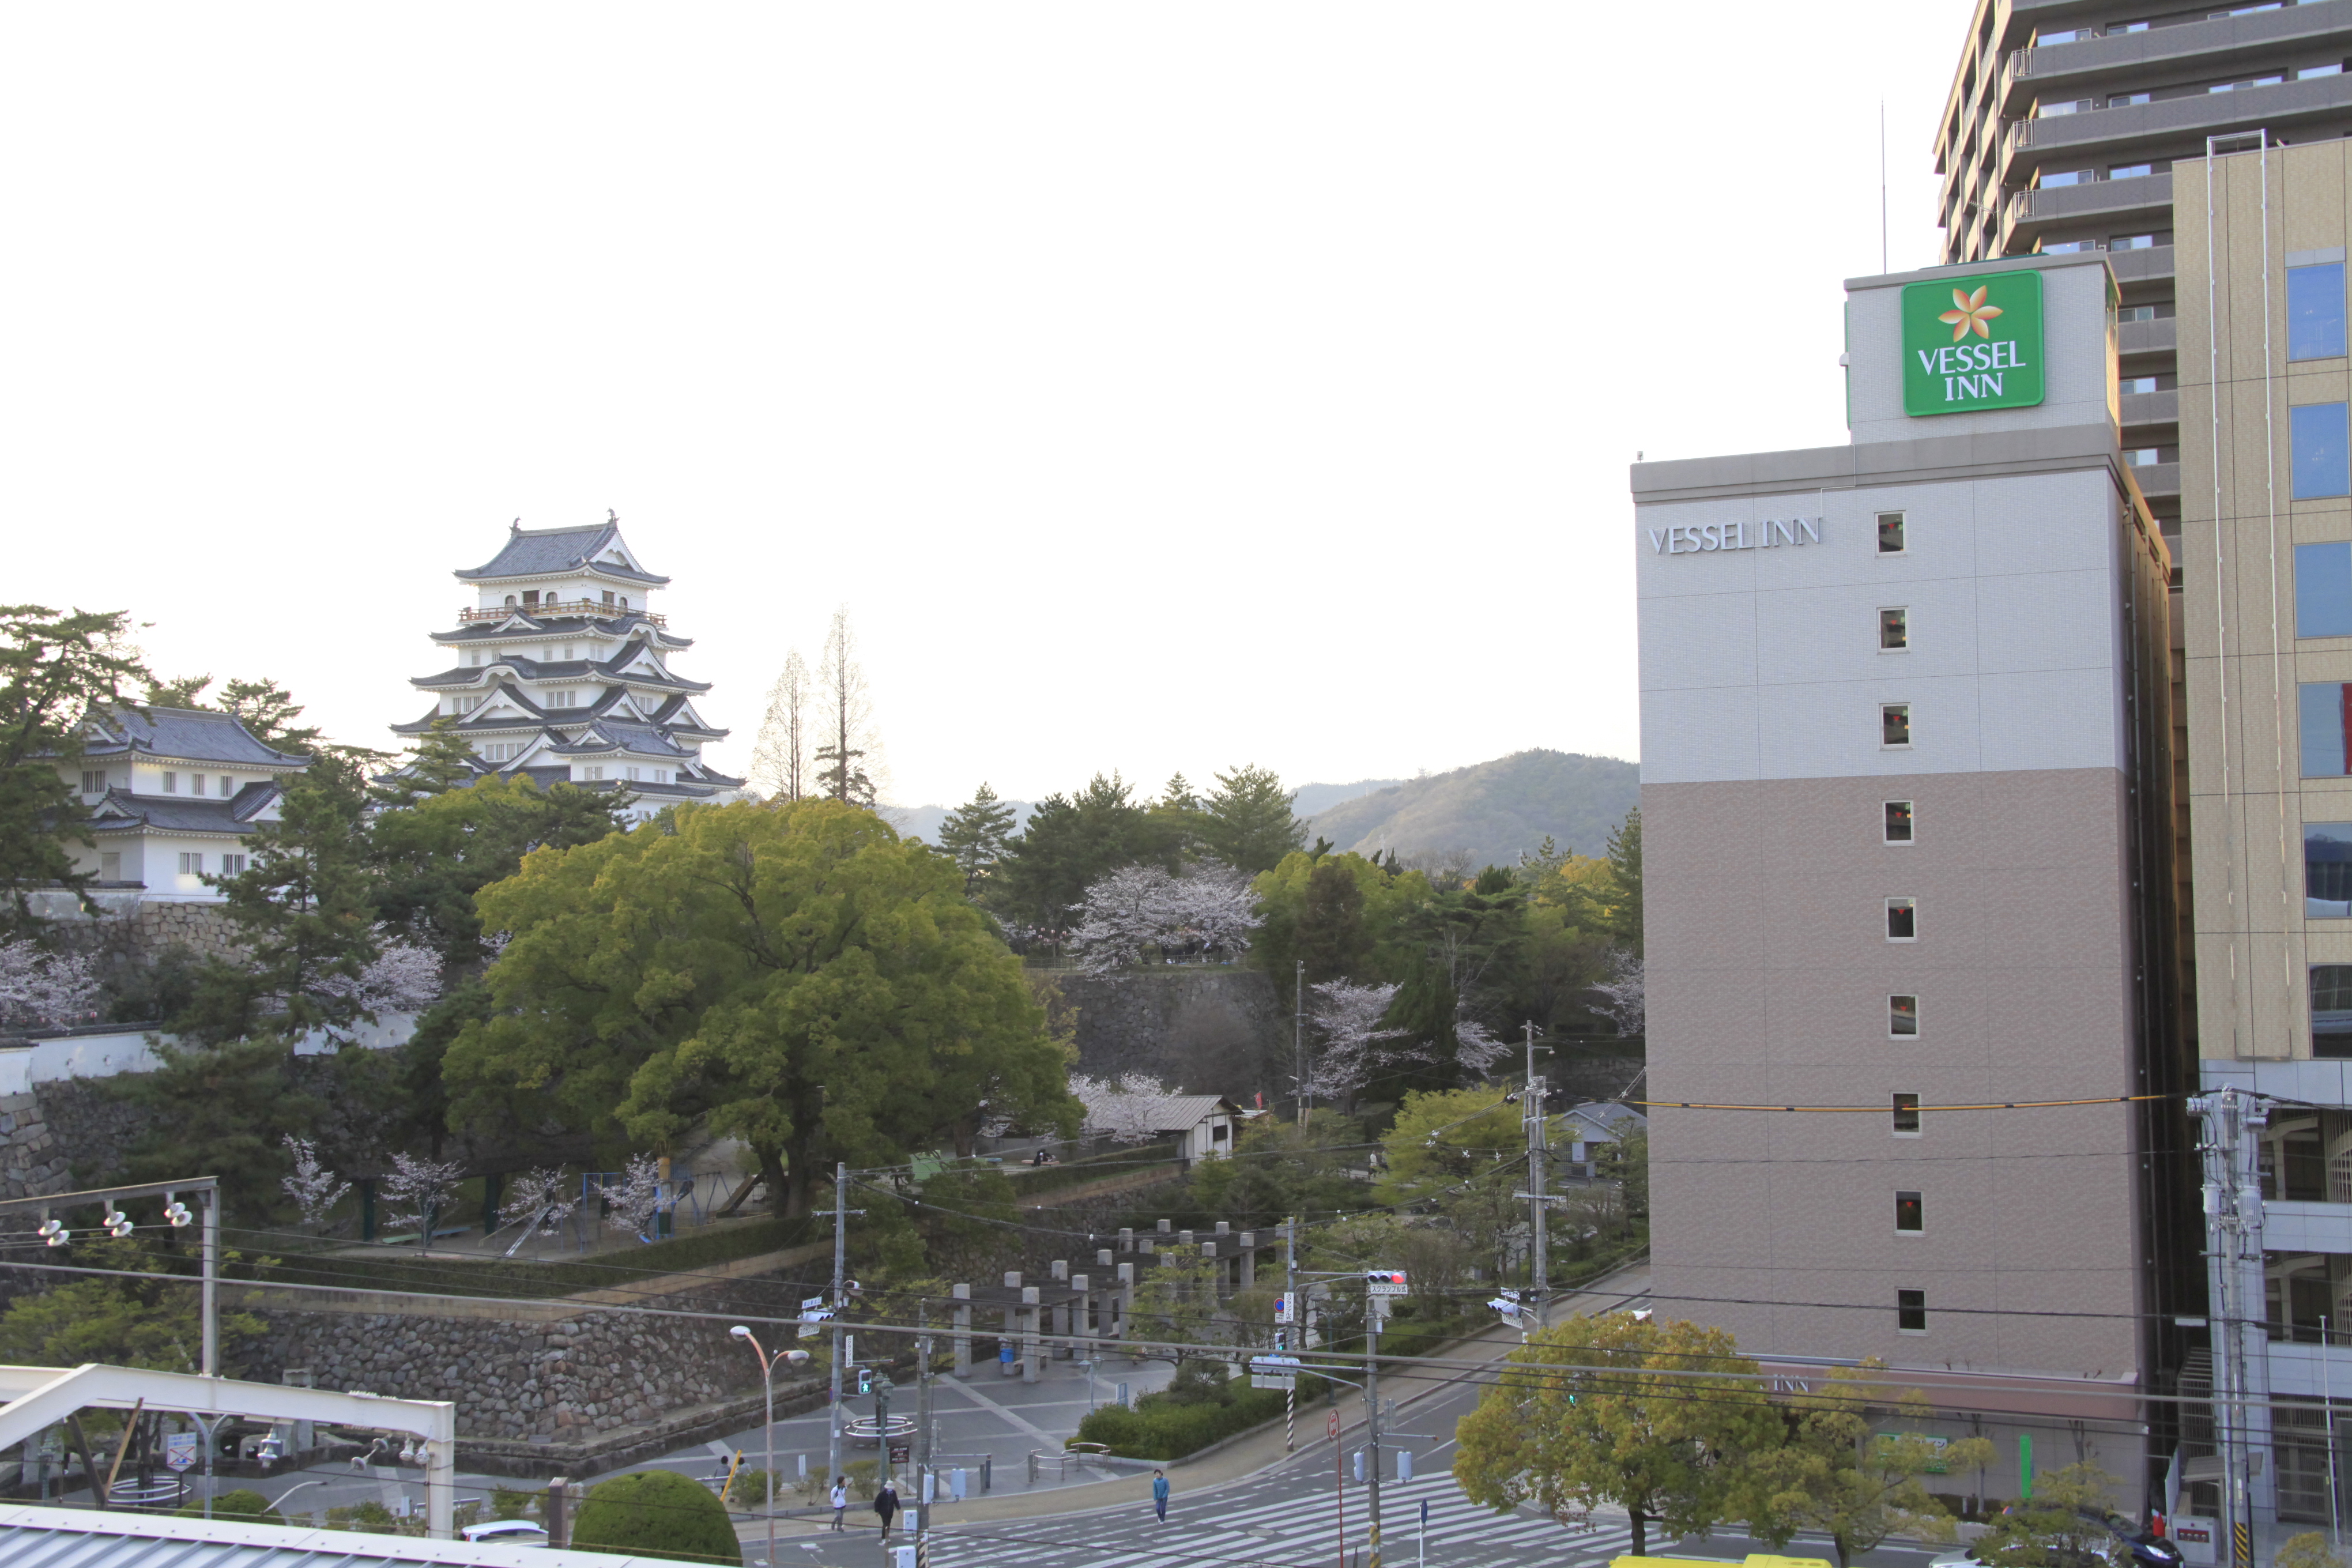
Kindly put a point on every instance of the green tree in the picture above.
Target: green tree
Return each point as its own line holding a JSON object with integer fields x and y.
{"x": 1625, "y": 1161}
{"x": 242, "y": 1503}
{"x": 1580, "y": 1420}
{"x": 1069, "y": 843}
{"x": 433, "y": 855}
{"x": 142, "y": 1316}
{"x": 1340, "y": 936}
{"x": 974, "y": 834}
{"x": 2060, "y": 1523}
{"x": 220, "y": 1111}
{"x": 442, "y": 761}
{"x": 656, "y": 1514}
{"x": 1443, "y": 1138}
{"x": 1177, "y": 1298}
{"x": 304, "y": 910}
{"x": 1332, "y": 938}
{"x": 1837, "y": 1475}
{"x": 2308, "y": 1550}
{"x": 54, "y": 671}
{"x": 795, "y": 973}
{"x": 1246, "y": 821}
{"x": 1456, "y": 948}
{"x": 1281, "y": 1169}
{"x": 1625, "y": 879}
{"x": 1177, "y": 815}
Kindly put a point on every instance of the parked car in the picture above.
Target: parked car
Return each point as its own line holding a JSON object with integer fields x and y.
{"x": 507, "y": 1532}
{"x": 2128, "y": 1546}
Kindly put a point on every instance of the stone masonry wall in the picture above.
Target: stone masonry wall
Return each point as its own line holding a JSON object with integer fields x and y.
{"x": 564, "y": 1381}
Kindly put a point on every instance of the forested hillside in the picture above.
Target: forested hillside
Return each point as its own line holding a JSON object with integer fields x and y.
{"x": 1492, "y": 811}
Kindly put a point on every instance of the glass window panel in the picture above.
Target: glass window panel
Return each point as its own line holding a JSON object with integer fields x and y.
{"x": 1902, "y": 919}
{"x": 2315, "y": 311}
{"x": 2322, "y": 458}
{"x": 1893, "y": 629}
{"x": 1903, "y": 1022}
{"x": 1911, "y": 1311}
{"x": 1898, "y": 821}
{"x": 2331, "y": 1010}
{"x": 2323, "y": 590}
{"x": 2320, "y": 718}
{"x": 1908, "y": 1214}
{"x": 1890, "y": 534}
{"x": 1895, "y": 724}
{"x": 2328, "y": 870}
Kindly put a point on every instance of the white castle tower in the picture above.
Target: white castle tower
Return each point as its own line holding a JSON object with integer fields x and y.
{"x": 562, "y": 671}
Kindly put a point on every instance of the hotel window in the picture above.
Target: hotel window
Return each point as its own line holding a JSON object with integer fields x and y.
{"x": 2323, "y": 590}
{"x": 109, "y": 866}
{"x": 1890, "y": 534}
{"x": 2052, "y": 181}
{"x": 2328, "y": 870}
{"x": 2320, "y": 711}
{"x": 2143, "y": 457}
{"x": 2126, "y": 100}
{"x": 1894, "y": 630}
{"x": 196, "y": 783}
{"x": 2315, "y": 311}
{"x": 2317, "y": 442}
{"x": 232, "y": 865}
{"x": 170, "y": 783}
{"x": 1902, "y": 919}
{"x": 192, "y": 865}
{"x": 1903, "y": 1018}
{"x": 2139, "y": 241}
{"x": 1898, "y": 821}
{"x": 2331, "y": 1010}
{"x": 2132, "y": 383}
{"x": 2137, "y": 313}
{"x": 1911, "y": 1311}
{"x": 2065, "y": 106}
{"x": 1909, "y": 1217}
{"x": 2131, "y": 171}
{"x": 93, "y": 783}
{"x": 1895, "y": 724}
{"x": 1906, "y": 1116}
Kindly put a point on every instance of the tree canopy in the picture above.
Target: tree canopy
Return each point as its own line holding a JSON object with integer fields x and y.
{"x": 656, "y": 1514}
{"x": 1837, "y": 1475}
{"x": 54, "y": 669}
{"x": 795, "y": 972}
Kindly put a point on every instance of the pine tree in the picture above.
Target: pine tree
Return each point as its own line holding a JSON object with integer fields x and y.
{"x": 54, "y": 669}
{"x": 1625, "y": 871}
{"x": 974, "y": 836}
{"x": 1247, "y": 822}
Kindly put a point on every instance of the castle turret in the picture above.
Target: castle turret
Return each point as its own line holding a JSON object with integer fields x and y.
{"x": 562, "y": 673}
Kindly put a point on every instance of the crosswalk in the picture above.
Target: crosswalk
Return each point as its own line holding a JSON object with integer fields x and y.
{"x": 1285, "y": 1531}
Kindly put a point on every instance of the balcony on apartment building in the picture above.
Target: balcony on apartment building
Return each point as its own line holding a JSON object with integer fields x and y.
{"x": 2136, "y": 202}
{"x": 2286, "y": 109}
{"x": 2098, "y": 67}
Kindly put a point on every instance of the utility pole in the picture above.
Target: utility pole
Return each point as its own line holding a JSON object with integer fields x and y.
{"x": 925, "y": 1486}
{"x": 1288, "y": 1336}
{"x": 2233, "y": 1247}
{"x": 1540, "y": 1255}
{"x": 840, "y": 1305}
{"x": 1375, "y": 1309}
{"x": 1298, "y": 1036}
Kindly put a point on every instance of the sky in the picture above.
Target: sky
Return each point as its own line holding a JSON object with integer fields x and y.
{"x": 1158, "y": 387}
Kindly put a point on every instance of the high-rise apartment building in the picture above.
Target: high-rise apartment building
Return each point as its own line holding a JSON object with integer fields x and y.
{"x": 2202, "y": 152}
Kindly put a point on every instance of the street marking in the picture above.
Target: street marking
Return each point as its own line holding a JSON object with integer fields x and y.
{"x": 977, "y": 1397}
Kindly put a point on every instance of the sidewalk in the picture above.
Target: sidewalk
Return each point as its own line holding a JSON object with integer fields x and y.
{"x": 1256, "y": 1451}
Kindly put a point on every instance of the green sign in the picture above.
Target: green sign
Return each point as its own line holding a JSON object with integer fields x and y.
{"x": 1972, "y": 342}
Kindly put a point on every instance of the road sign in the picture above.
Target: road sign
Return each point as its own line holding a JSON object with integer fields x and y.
{"x": 1331, "y": 1424}
{"x": 1282, "y": 1308}
{"x": 180, "y": 1450}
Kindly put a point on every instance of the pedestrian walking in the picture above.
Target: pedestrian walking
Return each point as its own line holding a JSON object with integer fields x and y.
{"x": 840, "y": 1499}
{"x": 1160, "y": 1494}
{"x": 886, "y": 1503}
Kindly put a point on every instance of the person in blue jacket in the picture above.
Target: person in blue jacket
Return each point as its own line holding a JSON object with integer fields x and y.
{"x": 1160, "y": 1494}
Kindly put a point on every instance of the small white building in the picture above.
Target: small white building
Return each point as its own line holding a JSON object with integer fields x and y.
{"x": 172, "y": 793}
{"x": 1202, "y": 1124}
{"x": 561, "y": 673}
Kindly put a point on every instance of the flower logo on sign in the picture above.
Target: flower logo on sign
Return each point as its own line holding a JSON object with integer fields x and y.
{"x": 1968, "y": 312}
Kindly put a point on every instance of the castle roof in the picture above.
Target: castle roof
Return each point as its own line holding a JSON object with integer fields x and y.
{"x": 614, "y": 669}
{"x": 539, "y": 552}
{"x": 630, "y": 622}
{"x": 119, "y": 810}
{"x": 190, "y": 734}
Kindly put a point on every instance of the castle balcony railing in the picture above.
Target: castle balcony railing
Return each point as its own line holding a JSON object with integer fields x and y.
{"x": 557, "y": 609}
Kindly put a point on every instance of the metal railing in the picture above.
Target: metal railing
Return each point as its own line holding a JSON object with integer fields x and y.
{"x": 553, "y": 607}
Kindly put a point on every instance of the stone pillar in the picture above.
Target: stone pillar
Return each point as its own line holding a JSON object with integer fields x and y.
{"x": 1084, "y": 1328}
{"x": 1062, "y": 1270}
{"x": 1224, "y": 1227}
{"x": 1029, "y": 1313}
{"x": 1249, "y": 1259}
{"x": 1125, "y": 1300}
{"x": 1103, "y": 1256}
{"x": 1164, "y": 1225}
{"x": 962, "y": 1333}
{"x": 1127, "y": 1238}
{"x": 1184, "y": 1238}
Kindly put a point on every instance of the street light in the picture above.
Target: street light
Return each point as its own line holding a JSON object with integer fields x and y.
{"x": 768, "y": 1381}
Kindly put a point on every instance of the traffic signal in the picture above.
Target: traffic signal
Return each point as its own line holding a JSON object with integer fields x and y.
{"x": 865, "y": 1380}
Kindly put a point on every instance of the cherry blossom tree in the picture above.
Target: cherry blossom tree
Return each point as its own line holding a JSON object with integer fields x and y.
{"x": 1476, "y": 1047}
{"x": 314, "y": 1188}
{"x": 1624, "y": 999}
{"x": 540, "y": 1197}
{"x": 1122, "y": 1108}
{"x": 417, "y": 1192}
{"x": 634, "y": 1200}
{"x": 1211, "y": 907}
{"x": 1347, "y": 1018}
{"x": 402, "y": 977}
{"x": 44, "y": 990}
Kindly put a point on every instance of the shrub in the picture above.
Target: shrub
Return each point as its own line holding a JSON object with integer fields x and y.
{"x": 242, "y": 1503}
{"x": 656, "y": 1514}
{"x": 511, "y": 1502}
{"x": 1200, "y": 1407}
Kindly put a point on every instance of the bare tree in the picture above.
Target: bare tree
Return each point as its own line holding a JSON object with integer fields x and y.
{"x": 780, "y": 761}
{"x": 845, "y": 770}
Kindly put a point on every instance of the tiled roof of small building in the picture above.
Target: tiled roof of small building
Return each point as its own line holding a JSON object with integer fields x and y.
{"x": 122, "y": 812}
{"x": 195, "y": 735}
{"x": 535, "y": 553}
